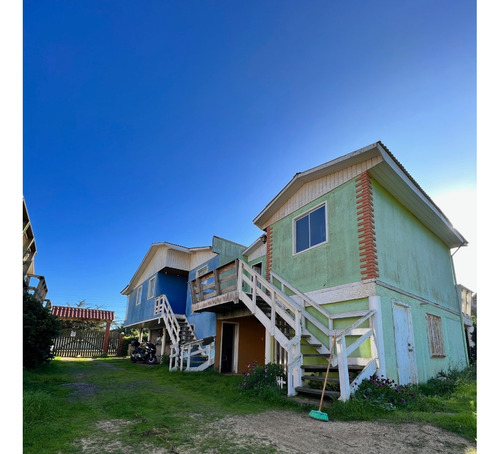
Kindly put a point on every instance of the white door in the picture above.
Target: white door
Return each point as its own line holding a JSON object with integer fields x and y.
{"x": 405, "y": 344}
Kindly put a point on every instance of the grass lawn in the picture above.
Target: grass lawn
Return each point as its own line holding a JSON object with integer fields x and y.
{"x": 63, "y": 401}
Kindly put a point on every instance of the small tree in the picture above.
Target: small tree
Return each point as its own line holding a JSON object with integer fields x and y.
{"x": 40, "y": 328}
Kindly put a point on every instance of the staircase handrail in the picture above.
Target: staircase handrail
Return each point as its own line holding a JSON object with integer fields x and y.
{"x": 302, "y": 296}
{"x": 204, "y": 349}
{"x": 328, "y": 331}
{"x": 358, "y": 322}
{"x": 340, "y": 359}
{"x": 171, "y": 322}
{"x": 288, "y": 302}
{"x": 280, "y": 304}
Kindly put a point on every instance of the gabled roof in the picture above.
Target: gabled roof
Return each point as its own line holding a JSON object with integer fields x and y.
{"x": 150, "y": 254}
{"x": 255, "y": 245}
{"x": 79, "y": 313}
{"x": 391, "y": 175}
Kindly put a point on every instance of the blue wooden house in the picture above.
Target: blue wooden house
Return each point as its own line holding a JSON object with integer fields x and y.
{"x": 158, "y": 300}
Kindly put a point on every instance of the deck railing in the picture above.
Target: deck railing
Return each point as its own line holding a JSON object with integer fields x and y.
{"x": 218, "y": 282}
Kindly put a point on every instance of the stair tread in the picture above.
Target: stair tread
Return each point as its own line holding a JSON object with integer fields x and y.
{"x": 322, "y": 355}
{"x": 320, "y": 379}
{"x": 322, "y": 367}
{"x": 306, "y": 390}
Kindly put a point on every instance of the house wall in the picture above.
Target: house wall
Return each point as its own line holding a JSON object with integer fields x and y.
{"x": 203, "y": 322}
{"x": 137, "y": 313}
{"x": 251, "y": 342}
{"x": 333, "y": 263}
{"x": 427, "y": 366}
{"x": 175, "y": 288}
{"x": 172, "y": 286}
{"x": 409, "y": 255}
{"x": 227, "y": 250}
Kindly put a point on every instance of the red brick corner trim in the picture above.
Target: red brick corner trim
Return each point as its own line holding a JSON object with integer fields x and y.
{"x": 269, "y": 252}
{"x": 366, "y": 228}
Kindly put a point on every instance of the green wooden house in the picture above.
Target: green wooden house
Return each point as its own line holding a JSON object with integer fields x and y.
{"x": 354, "y": 255}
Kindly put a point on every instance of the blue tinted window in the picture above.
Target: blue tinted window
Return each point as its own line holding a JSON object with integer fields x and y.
{"x": 317, "y": 226}
{"x": 310, "y": 230}
{"x": 302, "y": 234}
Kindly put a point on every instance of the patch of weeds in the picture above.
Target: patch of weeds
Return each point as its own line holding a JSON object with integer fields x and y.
{"x": 37, "y": 407}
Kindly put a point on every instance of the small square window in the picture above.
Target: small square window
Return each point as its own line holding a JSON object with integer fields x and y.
{"x": 435, "y": 331}
{"x": 310, "y": 229}
{"x": 151, "y": 287}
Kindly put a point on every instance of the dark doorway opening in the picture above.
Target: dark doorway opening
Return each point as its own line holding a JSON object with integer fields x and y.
{"x": 227, "y": 349}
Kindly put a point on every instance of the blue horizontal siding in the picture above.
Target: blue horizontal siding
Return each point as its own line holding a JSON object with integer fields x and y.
{"x": 174, "y": 287}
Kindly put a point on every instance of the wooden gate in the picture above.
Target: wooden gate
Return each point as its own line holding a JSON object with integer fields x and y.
{"x": 85, "y": 343}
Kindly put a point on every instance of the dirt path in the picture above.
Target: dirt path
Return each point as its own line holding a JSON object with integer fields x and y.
{"x": 292, "y": 433}
{"x": 295, "y": 433}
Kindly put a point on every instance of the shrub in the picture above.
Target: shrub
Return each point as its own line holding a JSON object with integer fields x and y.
{"x": 384, "y": 393}
{"x": 40, "y": 327}
{"x": 263, "y": 380}
{"x": 124, "y": 345}
{"x": 446, "y": 383}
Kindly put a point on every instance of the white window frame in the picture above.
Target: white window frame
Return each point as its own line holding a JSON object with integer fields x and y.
{"x": 138, "y": 296}
{"x": 436, "y": 336}
{"x": 151, "y": 287}
{"x": 303, "y": 215}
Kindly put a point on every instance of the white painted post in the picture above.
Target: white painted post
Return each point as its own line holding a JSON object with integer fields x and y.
{"x": 345, "y": 386}
{"x": 376, "y": 325}
{"x": 188, "y": 358}
{"x": 163, "y": 342}
{"x": 239, "y": 286}
{"x": 268, "y": 347}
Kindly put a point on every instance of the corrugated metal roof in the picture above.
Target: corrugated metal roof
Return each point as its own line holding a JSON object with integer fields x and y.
{"x": 82, "y": 313}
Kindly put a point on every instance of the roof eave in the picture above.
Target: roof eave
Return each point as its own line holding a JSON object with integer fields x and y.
{"x": 301, "y": 178}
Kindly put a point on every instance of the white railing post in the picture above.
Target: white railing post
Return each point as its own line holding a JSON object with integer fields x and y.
{"x": 188, "y": 364}
{"x": 377, "y": 340}
{"x": 239, "y": 285}
{"x": 345, "y": 386}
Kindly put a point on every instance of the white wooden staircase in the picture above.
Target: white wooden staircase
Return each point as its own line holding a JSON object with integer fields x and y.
{"x": 186, "y": 351}
{"x": 308, "y": 330}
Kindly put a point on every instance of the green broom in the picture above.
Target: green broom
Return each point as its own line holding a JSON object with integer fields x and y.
{"x": 318, "y": 414}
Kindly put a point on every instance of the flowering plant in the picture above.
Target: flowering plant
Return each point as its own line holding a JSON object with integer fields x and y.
{"x": 384, "y": 393}
{"x": 263, "y": 380}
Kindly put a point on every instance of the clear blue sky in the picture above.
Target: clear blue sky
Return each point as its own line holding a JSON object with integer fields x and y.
{"x": 150, "y": 121}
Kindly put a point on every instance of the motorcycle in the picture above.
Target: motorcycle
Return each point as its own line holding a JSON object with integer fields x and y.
{"x": 146, "y": 354}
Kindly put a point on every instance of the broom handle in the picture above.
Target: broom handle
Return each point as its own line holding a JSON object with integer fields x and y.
{"x": 327, "y": 371}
